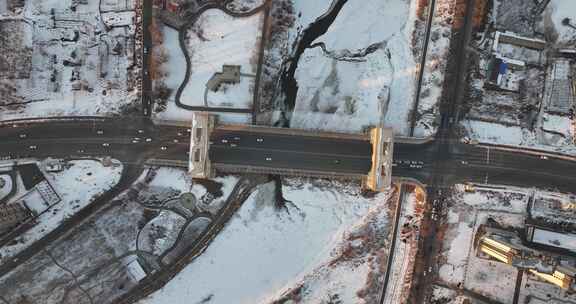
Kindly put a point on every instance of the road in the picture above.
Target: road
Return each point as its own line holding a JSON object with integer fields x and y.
{"x": 126, "y": 140}
{"x": 449, "y": 163}
{"x": 134, "y": 141}
{"x": 147, "y": 48}
{"x": 291, "y": 152}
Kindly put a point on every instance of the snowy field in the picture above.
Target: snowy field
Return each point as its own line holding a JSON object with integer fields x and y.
{"x": 76, "y": 68}
{"x": 557, "y": 11}
{"x": 495, "y": 133}
{"x": 217, "y": 39}
{"x": 78, "y": 186}
{"x": 272, "y": 251}
{"x": 175, "y": 65}
{"x": 338, "y": 94}
{"x": 433, "y": 75}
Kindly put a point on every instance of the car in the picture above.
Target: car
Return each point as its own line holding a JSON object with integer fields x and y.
{"x": 224, "y": 141}
{"x": 543, "y": 157}
{"x": 163, "y": 148}
{"x": 99, "y": 132}
{"x": 136, "y": 138}
{"x": 23, "y": 135}
{"x": 268, "y": 158}
{"x": 135, "y": 141}
{"x": 140, "y": 131}
{"x": 148, "y": 139}
{"x": 180, "y": 134}
{"x": 259, "y": 139}
{"x": 188, "y": 130}
{"x": 175, "y": 140}
{"x": 464, "y": 162}
{"x": 336, "y": 161}
{"x": 106, "y": 145}
{"x": 80, "y": 151}
{"x": 33, "y": 147}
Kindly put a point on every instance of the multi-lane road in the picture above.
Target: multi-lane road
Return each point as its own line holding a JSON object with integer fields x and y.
{"x": 127, "y": 140}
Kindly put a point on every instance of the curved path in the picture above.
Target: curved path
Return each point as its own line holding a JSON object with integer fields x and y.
{"x": 182, "y": 40}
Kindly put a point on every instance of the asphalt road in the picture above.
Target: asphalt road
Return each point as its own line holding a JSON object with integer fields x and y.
{"x": 126, "y": 140}
{"x": 291, "y": 152}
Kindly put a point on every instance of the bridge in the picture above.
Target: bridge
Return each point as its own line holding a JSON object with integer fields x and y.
{"x": 269, "y": 150}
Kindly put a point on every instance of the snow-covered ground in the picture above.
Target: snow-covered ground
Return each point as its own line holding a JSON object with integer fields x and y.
{"x": 405, "y": 249}
{"x": 495, "y": 133}
{"x": 161, "y": 232}
{"x": 78, "y": 185}
{"x": 175, "y": 64}
{"x": 243, "y": 5}
{"x": 217, "y": 39}
{"x": 338, "y": 94}
{"x": 74, "y": 77}
{"x": 434, "y": 70}
{"x": 5, "y": 185}
{"x": 558, "y": 10}
{"x": 271, "y": 251}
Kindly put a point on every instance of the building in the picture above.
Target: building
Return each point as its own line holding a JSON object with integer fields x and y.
{"x": 506, "y": 247}
{"x": 499, "y": 244}
{"x": 11, "y": 215}
{"x": 499, "y": 66}
{"x": 230, "y": 74}
{"x": 562, "y": 276}
{"x": 514, "y": 39}
{"x": 564, "y": 241}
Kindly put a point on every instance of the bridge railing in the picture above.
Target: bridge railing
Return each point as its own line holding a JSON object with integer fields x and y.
{"x": 227, "y": 168}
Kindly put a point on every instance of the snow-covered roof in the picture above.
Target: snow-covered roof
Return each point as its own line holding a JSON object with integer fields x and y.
{"x": 113, "y": 19}
{"x": 554, "y": 239}
{"x": 135, "y": 270}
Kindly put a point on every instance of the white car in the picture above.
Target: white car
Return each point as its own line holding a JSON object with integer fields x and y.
{"x": 175, "y": 141}
{"x": 224, "y": 141}
{"x": 543, "y": 157}
{"x": 23, "y": 135}
{"x": 99, "y": 132}
{"x": 268, "y": 158}
{"x": 33, "y": 147}
{"x": 148, "y": 139}
{"x": 163, "y": 148}
{"x": 259, "y": 139}
{"x": 106, "y": 145}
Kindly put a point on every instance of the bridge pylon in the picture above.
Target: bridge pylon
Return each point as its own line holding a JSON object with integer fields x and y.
{"x": 380, "y": 175}
{"x": 199, "y": 165}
